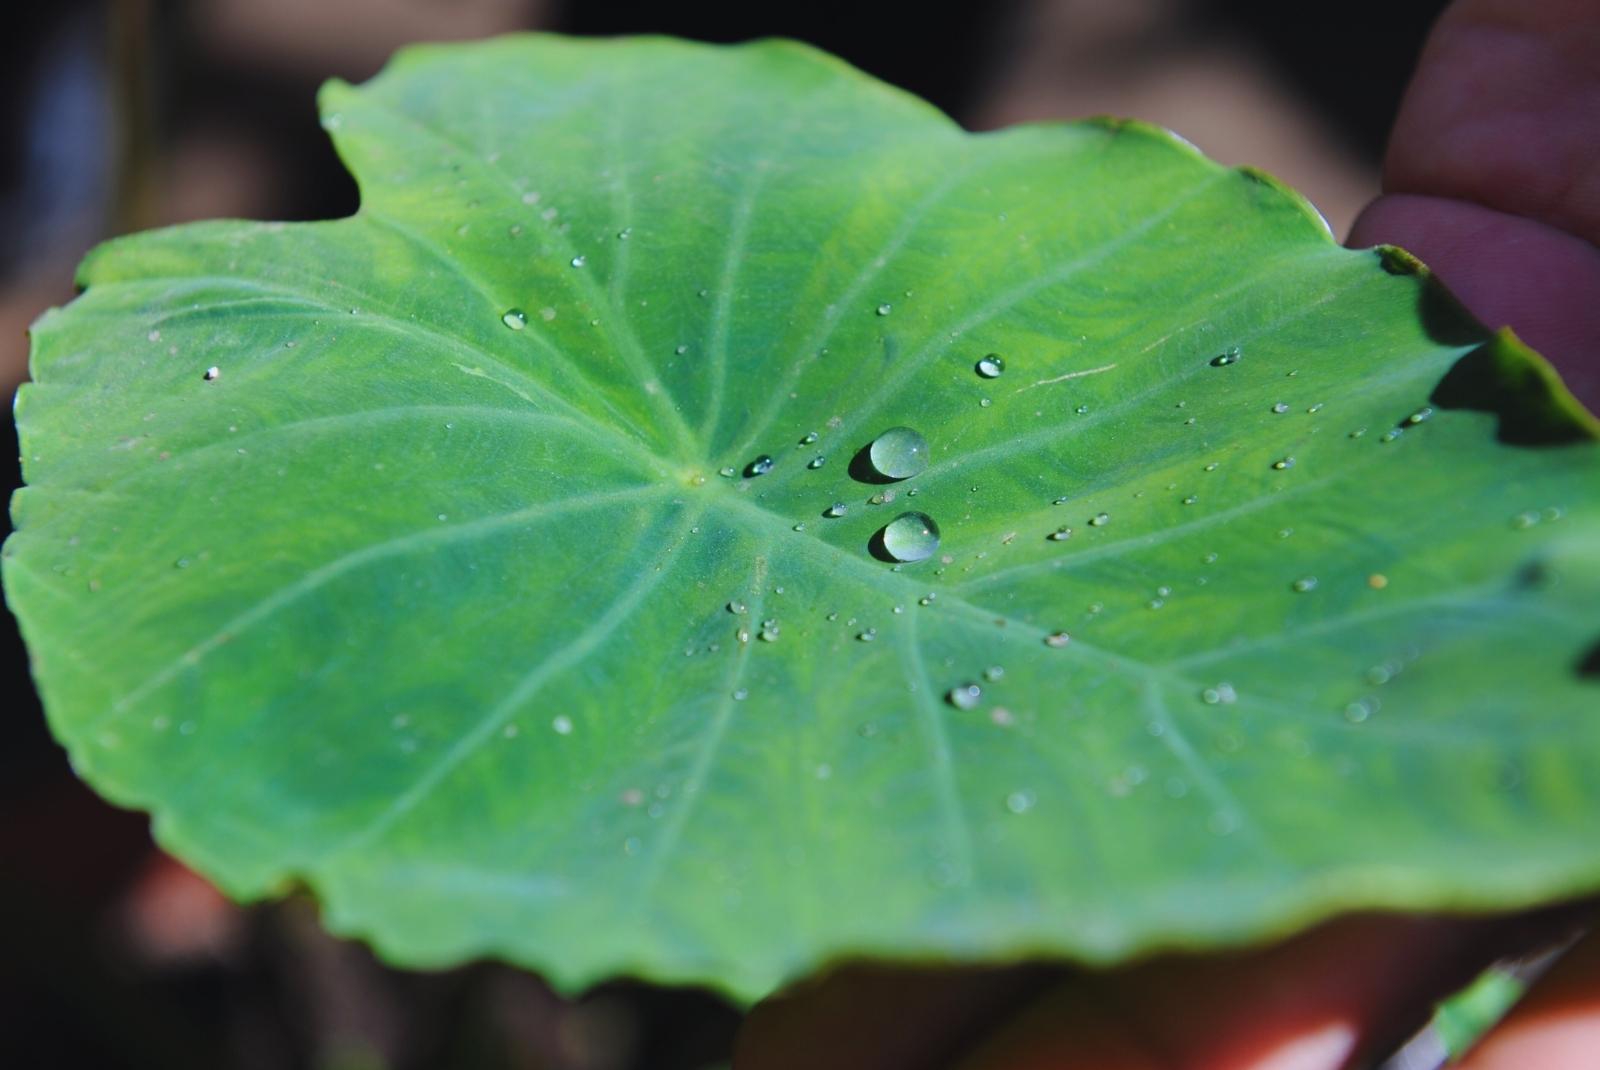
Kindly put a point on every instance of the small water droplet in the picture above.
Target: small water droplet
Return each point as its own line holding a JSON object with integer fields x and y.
{"x": 927, "y": 599}
{"x": 1280, "y": 408}
{"x": 1315, "y": 408}
{"x": 1304, "y": 584}
{"x": 799, "y": 527}
{"x": 579, "y": 260}
{"x": 625, "y": 233}
{"x": 1020, "y": 802}
{"x": 1283, "y": 462}
{"x": 1057, "y": 640}
{"x": 990, "y": 366}
{"x": 984, "y": 403}
{"x": 1061, "y": 534}
{"x": 1419, "y": 416}
{"x": 885, "y": 308}
{"x": 213, "y": 373}
{"x": 1357, "y": 711}
{"x": 562, "y": 724}
{"x": 1222, "y": 694}
{"x": 769, "y": 631}
{"x": 760, "y": 466}
{"x": 1081, "y": 410}
{"x": 1228, "y": 356}
{"x": 515, "y": 318}
{"x": 817, "y": 462}
{"x": 681, "y": 350}
{"x": 898, "y": 453}
{"x": 737, "y": 607}
{"x": 1358, "y": 432}
{"x": 1100, "y": 520}
{"x": 727, "y": 472}
{"x": 911, "y": 537}
{"x": 868, "y": 636}
{"x": 1190, "y": 499}
{"x": 994, "y": 672}
{"x": 1391, "y": 434}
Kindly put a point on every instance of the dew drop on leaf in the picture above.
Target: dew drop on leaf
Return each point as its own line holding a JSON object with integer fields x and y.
{"x": 760, "y": 466}
{"x": 898, "y": 453}
{"x": 1020, "y": 802}
{"x": 965, "y": 696}
{"x": 911, "y": 537}
{"x": 1304, "y": 584}
{"x": 837, "y": 509}
{"x": 515, "y": 318}
{"x": 1057, "y": 640}
{"x": 1060, "y": 535}
{"x": 1100, "y": 520}
{"x": 991, "y": 365}
{"x": 817, "y": 462}
{"x": 1223, "y": 359}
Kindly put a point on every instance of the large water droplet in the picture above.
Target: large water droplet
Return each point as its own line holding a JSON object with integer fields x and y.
{"x": 965, "y": 697}
{"x": 898, "y": 453}
{"x": 991, "y": 365}
{"x": 515, "y": 318}
{"x": 911, "y": 537}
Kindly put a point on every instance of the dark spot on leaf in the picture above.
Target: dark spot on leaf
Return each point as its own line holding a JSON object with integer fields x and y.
{"x": 1589, "y": 663}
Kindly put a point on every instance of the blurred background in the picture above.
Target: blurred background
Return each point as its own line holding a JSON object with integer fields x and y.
{"x": 119, "y": 116}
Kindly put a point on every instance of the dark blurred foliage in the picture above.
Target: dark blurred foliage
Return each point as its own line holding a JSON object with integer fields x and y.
{"x": 115, "y": 958}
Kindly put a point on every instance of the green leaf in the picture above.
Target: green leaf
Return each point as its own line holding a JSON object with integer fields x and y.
{"x": 423, "y": 599}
